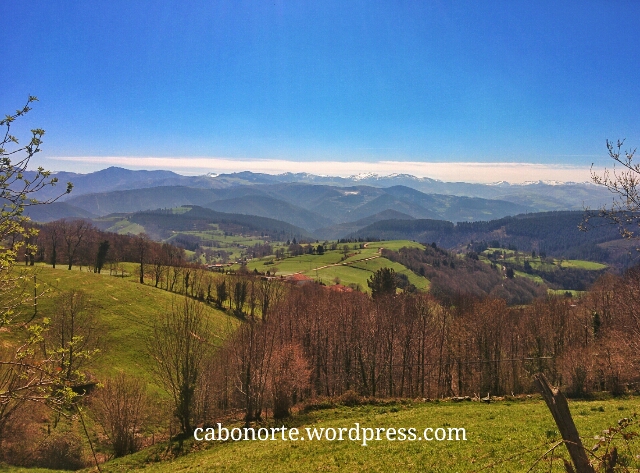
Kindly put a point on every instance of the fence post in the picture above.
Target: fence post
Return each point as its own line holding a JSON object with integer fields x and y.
{"x": 557, "y": 404}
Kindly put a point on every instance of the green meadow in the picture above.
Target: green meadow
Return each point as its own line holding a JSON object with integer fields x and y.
{"x": 505, "y": 436}
{"x": 353, "y": 266}
{"x": 126, "y": 311}
{"x": 538, "y": 263}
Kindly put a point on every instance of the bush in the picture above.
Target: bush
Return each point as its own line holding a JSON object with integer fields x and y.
{"x": 121, "y": 408}
{"x": 351, "y": 398}
{"x": 21, "y": 434}
{"x": 60, "y": 451}
{"x": 319, "y": 404}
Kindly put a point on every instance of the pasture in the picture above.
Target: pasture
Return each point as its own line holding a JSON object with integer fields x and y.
{"x": 505, "y": 436}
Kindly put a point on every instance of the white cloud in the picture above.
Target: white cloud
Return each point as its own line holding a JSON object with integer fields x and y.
{"x": 466, "y": 172}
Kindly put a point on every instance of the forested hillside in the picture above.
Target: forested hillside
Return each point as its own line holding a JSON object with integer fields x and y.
{"x": 552, "y": 233}
{"x": 452, "y": 277}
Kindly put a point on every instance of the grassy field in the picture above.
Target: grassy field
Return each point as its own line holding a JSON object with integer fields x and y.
{"x": 373, "y": 265}
{"x": 394, "y": 245}
{"x": 576, "y": 263}
{"x": 125, "y": 310}
{"x": 544, "y": 264}
{"x": 215, "y": 239}
{"x": 533, "y": 277}
{"x": 538, "y": 264}
{"x": 506, "y": 436}
{"x": 295, "y": 264}
{"x": 360, "y": 270}
{"x": 120, "y": 224}
{"x": 215, "y": 235}
{"x": 563, "y": 292}
{"x": 355, "y": 267}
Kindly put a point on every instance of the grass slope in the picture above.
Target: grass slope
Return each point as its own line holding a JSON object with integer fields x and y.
{"x": 126, "y": 311}
{"x": 501, "y": 437}
{"x": 330, "y": 267}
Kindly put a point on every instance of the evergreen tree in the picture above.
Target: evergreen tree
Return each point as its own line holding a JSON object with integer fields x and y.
{"x": 383, "y": 282}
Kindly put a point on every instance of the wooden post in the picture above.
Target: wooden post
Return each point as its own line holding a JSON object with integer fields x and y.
{"x": 557, "y": 404}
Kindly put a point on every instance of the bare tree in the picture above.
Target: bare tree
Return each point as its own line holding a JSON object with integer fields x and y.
{"x": 159, "y": 261}
{"x": 73, "y": 234}
{"x": 73, "y": 333}
{"x": 252, "y": 347}
{"x": 623, "y": 181}
{"x": 53, "y": 233}
{"x": 142, "y": 252}
{"x": 269, "y": 292}
{"x": 288, "y": 378}
{"x": 239, "y": 294}
{"x": 180, "y": 345}
{"x": 120, "y": 408}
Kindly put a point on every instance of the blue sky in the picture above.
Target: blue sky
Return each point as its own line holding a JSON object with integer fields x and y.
{"x": 325, "y": 87}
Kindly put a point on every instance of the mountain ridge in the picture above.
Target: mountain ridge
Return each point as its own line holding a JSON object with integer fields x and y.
{"x": 543, "y": 195}
{"x": 305, "y": 205}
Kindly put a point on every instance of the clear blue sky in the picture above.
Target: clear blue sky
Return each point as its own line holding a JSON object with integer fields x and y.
{"x": 334, "y": 80}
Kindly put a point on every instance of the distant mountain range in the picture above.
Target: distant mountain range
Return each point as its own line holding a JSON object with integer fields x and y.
{"x": 324, "y": 206}
{"x": 541, "y": 195}
{"x": 308, "y": 206}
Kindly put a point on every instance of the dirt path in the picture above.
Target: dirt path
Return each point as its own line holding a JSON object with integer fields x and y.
{"x": 346, "y": 263}
{"x": 379, "y": 249}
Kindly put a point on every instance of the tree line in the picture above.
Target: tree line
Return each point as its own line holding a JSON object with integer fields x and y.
{"x": 79, "y": 243}
{"x": 410, "y": 345}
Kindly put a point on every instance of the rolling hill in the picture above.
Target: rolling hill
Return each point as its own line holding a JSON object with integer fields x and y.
{"x": 126, "y": 311}
{"x": 553, "y": 233}
{"x": 162, "y": 224}
{"x": 339, "y": 230}
{"x": 137, "y": 200}
{"x": 264, "y": 206}
{"x": 56, "y": 211}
